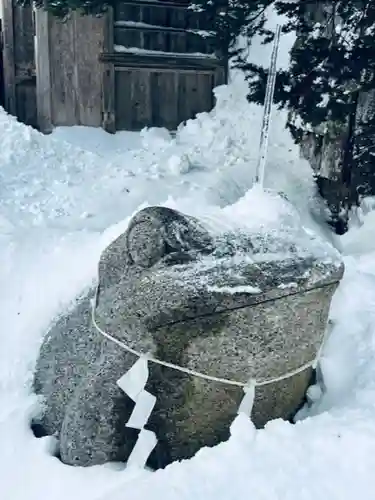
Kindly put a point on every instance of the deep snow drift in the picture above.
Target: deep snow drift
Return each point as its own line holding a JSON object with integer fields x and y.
{"x": 60, "y": 205}
{"x": 48, "y": 258}
{"x": 212, "y": 157}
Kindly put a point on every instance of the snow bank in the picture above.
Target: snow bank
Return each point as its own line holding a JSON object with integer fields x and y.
{"x": 227, "y": 140}
{"x": 270, "y": 221}
{"x": 45, "y": 264}
{"x": 35, "y": 172}
{"x": 212, "y": 158}
{"x": 361, "y": 239}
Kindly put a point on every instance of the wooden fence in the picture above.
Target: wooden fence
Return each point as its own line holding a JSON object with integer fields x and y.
{"x": 69, "y": 75}
{"x": 144, "y": 63}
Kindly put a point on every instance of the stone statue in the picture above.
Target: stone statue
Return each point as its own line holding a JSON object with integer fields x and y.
{"x": 211, "y": 302}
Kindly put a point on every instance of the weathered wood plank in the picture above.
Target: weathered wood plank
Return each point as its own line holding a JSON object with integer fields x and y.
{"x": 89, "y": 42}
{"x": 148, "y": 40}
{"x": 156, "y": 15}
{"x": 204, "y": 93}
{"x": 126, "y": 12}
{"x": 25, "y": 74}
{"x": 150, "y": 3}
{"x": 180, "y": 18}
{"x": 183, "y": 43}
{"x": 123, "y": 94}
{"x": 149, "y": 27}
{"x": 164, "y": 107}
{"x": 183, "y": 97}
{"x": 164, "y": 40}
{"x": 162, "y": 61}
{"x": 76, "y": 79}
{"x": 221, "y": 75}
{"x": 108, "y": 77}
{"x": 198, "y": 20}
{"x": 128, "y": 38}
{"x": 24, "y": 40}
{"x": 43, "y": 75}
{"x": 162, "y": 98}
{"x": 119, "y": 69}
{"x": 9, "y": 56}
{"x": 63, "y": 72}
{"x": 139, "y": 105}
{"x": 194, "y": 94}
{"x": 174, "y": 15}
{"x": 26, "y": 102}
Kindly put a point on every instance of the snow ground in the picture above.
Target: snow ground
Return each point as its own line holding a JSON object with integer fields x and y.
{"x": 61, "y": 205}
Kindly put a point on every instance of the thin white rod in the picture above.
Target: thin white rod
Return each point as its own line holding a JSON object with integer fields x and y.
{"x": 270, "y": 91}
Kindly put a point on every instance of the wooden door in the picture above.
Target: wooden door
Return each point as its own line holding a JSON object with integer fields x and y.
{"x": 162, "y": 62}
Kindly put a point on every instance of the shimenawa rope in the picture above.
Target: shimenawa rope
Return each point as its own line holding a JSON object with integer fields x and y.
{"x": 251, "y": 383}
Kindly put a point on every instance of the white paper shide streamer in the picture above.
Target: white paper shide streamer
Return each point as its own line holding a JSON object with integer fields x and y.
{"x": 133, "y": 384}
{"x": 247, "y": 403}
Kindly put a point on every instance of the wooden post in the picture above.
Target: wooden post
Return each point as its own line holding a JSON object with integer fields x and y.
{"x": 109, "y": 115}
{"x": 8, "y": 58}
{"x": 43, "y": 75}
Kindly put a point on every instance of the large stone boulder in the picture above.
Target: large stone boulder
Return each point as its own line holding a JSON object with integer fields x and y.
{"x": 233, "y": 304}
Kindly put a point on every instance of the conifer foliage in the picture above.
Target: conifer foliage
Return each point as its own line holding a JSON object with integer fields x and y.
{"x": 230, "y": 18}
{"x": 329, "y": 88}
{"x": 233, "y": 19}
{"x": 61, "y": 8}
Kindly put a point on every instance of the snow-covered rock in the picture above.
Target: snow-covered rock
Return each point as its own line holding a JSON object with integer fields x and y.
{"x": 236, "y": 300}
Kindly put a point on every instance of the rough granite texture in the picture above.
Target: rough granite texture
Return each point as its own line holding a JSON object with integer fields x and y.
{"x": 208, "y": 302}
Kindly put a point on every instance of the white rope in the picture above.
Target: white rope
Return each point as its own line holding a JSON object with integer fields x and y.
{"x": 134, "y": 381}
{"x": 188, "y": 371}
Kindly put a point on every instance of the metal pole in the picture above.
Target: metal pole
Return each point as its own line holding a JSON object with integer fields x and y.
{"x": 270, "y": 91}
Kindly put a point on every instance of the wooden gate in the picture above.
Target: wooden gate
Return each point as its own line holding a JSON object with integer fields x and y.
{"x": 142, "y": 64}
{"x": 160, "y": 65}
{"x": 19, "y": 62}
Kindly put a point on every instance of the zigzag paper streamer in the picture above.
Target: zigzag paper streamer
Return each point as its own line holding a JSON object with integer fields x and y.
{"x": 247, "y": 403}
{"x": 133, "y": 384}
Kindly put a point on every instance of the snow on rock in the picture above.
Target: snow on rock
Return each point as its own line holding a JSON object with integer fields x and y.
{"x": 275, "y": 230}
{"x": 235, "y": 289}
